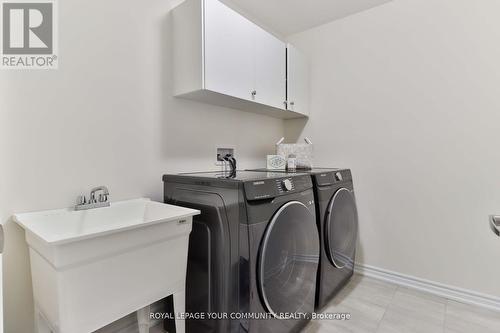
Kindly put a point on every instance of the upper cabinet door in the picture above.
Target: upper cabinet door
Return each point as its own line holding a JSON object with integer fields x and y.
{"x": 270, "y": 69}
{"x": 297, "y": 81}
{"x": 229, "y": 47}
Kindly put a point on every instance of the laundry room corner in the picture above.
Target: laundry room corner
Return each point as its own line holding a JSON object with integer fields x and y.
{"x": 401, "y": 101}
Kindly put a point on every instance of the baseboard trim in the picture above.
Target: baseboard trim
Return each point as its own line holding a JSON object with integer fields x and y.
{"x": 439, "y": 289}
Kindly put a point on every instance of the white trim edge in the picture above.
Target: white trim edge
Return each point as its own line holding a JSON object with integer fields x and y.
{"x": 439, "y": 289}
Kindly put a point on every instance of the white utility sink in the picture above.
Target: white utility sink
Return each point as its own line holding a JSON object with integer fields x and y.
{"x": 92, "y": 267}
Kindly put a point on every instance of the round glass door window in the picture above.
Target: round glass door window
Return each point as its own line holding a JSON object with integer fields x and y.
{"x": 341, "y": 228}
{"x": 288, "y": 260}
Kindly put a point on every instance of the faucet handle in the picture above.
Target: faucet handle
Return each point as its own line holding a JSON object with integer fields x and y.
{"x": 103, "y": 198}
{"x": 82, "y": 200}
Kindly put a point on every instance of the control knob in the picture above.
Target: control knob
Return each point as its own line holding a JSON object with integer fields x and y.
{"x": 287, "y": 184}
{"x": 338, "y": 176}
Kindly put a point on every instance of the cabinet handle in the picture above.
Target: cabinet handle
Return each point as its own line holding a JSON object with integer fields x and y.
{"x": 292, "y": 103}
{"x": 254, "y": 92}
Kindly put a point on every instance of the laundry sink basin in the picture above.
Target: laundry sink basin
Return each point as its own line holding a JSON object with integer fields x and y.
{"x": 90, "y": 268}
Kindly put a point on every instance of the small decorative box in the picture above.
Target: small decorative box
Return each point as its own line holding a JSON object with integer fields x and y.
{"x": 276, "y": 162}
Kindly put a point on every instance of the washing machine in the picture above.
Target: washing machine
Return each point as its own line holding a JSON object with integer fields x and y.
{"x": 337, "y": 223}
{"x": 254, "y": 250}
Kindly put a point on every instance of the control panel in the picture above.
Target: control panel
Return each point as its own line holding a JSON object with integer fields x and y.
{"x": 332, "y": 177}
{"x": 270, "y": 188}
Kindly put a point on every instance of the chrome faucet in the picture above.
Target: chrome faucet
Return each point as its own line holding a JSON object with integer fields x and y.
{"x": 101, "y": 201}
{"x": 103, "y": 197}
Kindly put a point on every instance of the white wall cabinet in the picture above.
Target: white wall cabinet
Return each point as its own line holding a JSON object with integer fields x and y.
{"x": 229, "y": 51}
{"x": 222, "y": 58}
{"x": 297, "y": 81}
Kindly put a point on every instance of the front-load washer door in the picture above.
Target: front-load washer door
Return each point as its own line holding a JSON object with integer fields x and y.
{"x": 288, "y": 261}
{"x": 341, "y": 228}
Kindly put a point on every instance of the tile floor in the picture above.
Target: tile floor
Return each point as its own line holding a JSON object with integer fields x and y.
{"x": 381, "y": 307}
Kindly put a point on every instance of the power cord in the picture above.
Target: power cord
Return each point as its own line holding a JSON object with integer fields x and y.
{"x": 232, "y": 162}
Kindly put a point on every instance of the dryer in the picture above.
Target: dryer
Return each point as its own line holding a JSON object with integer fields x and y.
{"x": 338, "y": 226}
{"x": 254, "y": 249}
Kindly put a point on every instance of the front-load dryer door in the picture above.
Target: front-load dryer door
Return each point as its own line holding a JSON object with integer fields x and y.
{"x": 288, "y": 261}
{"x": 341, "y": 228}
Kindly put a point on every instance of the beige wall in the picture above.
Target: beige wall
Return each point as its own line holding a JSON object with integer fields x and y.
{"x": 105, "y": 117}
{"x": 408, "y": 95}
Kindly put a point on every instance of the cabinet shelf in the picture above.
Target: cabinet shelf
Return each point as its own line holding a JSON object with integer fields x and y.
{"x": 215, "y": 98}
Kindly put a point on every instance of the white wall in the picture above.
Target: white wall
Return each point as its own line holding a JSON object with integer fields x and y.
{"x": 105, "y": 117}
{"x": 408, "y": 96}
